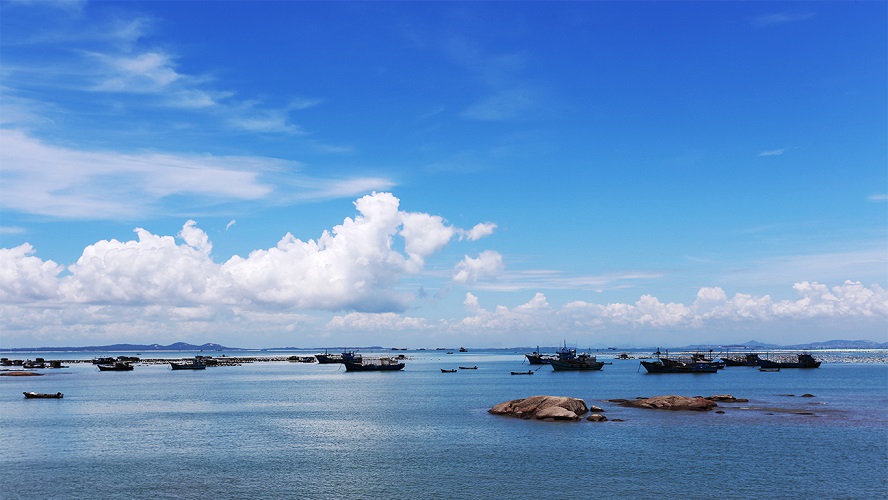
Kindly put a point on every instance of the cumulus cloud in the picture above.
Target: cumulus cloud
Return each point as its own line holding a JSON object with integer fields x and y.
{"x": 479, "y": 231}
{"x": 156, "y": 284}
{"x": 354, "y": 266}
{"x": 469, "y": 270}
{"x": 712, "y": 305}
{"x": 24, "y": 277}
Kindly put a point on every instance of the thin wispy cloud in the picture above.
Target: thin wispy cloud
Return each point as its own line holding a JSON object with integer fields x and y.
{"x": 116, "y": 58}
{"x": 878, "y": 197}
{"x": 68, "y": 183}
{"x": 773, "y": 152}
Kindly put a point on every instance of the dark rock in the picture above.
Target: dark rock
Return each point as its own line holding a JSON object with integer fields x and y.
{"x": 807, "y": 395}
{"x": 676, "y": 403}
{"x": 727, "y": 398}
{"x": 595, "y": 417}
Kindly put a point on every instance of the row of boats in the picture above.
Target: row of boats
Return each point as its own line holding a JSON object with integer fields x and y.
{"x": 568, "y": 359}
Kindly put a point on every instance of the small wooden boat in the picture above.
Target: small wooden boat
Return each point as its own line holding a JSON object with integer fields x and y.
{"x": 447, "y": 371}
{"x": 528, "y": 372}
{"x": 37, "y": 395}
{"x": 468, "y": 367}
{"x": 763, "y": 369}
{"x": 193, "y": 364}
{"x": 117, "y": 366}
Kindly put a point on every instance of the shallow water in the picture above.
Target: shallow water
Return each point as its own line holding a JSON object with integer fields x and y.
{"x": 283, "y": 429}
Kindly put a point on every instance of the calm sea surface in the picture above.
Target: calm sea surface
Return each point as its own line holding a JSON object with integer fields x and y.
{"x": 290, "y": 430}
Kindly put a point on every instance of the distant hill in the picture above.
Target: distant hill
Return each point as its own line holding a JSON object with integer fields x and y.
{"x": 178, "y": 346}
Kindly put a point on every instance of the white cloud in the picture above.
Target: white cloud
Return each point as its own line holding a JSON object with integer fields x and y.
{"x": 850, "y": 300}
{"x": 424, "y": 235}
{"x": 384, "y": 322}
{"x": 479, "y": 231}
{"x": 878, "y": 197}
{"x": 43, "y": 179}
{"x": 469, "y": 270}
{"x": 773, "y": 152}
{"x": 158, "y": 285}
{"x": 24, "y": 277}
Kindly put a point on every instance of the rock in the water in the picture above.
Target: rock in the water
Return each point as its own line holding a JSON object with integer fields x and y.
{"x": 675, "y": 403}
{"x": 542, "y": 407}
{"x": 807, "y": 395}
{"x": 595, "y": 409}
{"x": 727, "y": 398}
{"x": 595, "y": 417}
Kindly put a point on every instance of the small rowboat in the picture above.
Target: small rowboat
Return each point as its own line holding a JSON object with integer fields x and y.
{"x": 468, "y": 367}
{"x": 37, "y": 395}
{"x": 447, "y": 371}
{"x": 528, "y": 372}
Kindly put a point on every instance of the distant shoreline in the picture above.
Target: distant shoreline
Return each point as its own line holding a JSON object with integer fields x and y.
{"x": 751, "y": 345}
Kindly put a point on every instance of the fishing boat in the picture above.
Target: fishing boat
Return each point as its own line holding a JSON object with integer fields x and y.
{"x": 117, "y": 366}
{"x": 665, "y": 364}
{"x": 448, "y": 371}
{"x": 538, "y": 358}
{"x": 188, "y": 364}
{"x": 804, "y": 361}
{"x": 528, "y": 372}
{"x": 345, "y": 356}
{"x": 700, "y": 357}
{"x": 568, "y": 360}
{"x": 750, "y": 359}
{"x": 37, "y": 395}
{"x": 468, "y": 367}
{"x": 373, "y": 365}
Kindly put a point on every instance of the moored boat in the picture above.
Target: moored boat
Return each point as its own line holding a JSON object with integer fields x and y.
{"x": 468, "y": 367}
{"x": 750, "y": 359}
{"x": 345, "y": 356}
{"x": 37, "y": 395}
{"x": 448, "y": 371}
{"x": 538, "y": 358}
{"x": 373, "y": 365}
{"x": 665, "y": 364}
{"x": 804, "y": 361}
{"x": 528, "y": 372}
{"x": 188, "y": 364}
{"x": 568, "y": 360}
{"x": 117, "y": 366}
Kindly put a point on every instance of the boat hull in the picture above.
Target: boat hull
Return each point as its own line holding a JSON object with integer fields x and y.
{"x": 188, "y": 366}
{"x": 37, "y": 395}
{"x": 370, "y": 367}
{"x": 115, "y": 368}
{"x": 575, "y": 365}
{"x": 676, "y": 367}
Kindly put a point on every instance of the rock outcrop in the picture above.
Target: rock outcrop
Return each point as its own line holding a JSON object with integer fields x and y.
{"x": 674, "y": 403}
{"x": 542, "y": 408}
{"x": 727, "y": 398}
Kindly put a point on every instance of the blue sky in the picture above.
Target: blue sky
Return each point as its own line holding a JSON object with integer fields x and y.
{"x": 411, "y": 174}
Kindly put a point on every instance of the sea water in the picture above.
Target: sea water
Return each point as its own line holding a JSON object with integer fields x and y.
{"x": 294, "y": 430}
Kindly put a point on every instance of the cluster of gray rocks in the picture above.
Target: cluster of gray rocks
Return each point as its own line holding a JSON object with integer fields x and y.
{"x": 563, "y": 408}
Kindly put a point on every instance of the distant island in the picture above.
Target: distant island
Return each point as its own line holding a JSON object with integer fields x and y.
{"x": 184, "y": 346}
